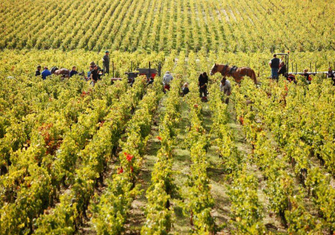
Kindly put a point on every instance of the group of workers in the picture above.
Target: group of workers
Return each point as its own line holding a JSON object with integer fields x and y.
{"x": 94, "y": 74}
{"x": 46, "y": 72}
{"x": 225, "y": 85}
{"x": 278, "y": 67}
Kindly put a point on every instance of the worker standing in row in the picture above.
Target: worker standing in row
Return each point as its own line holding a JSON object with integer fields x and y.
{"x": 106, "y": 62}
{"x": 202, "y": 83}
{"x": 274, "y": 64}
{"x": 166, "y": 81}
{"x": 225, "y": 87}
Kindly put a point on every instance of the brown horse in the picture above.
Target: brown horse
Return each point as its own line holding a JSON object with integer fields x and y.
{"x": 237, "y": 73}
{"x": 64, "y": 72}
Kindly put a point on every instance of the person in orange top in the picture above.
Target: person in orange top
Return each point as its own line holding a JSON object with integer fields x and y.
{"x": 307, "y": 76}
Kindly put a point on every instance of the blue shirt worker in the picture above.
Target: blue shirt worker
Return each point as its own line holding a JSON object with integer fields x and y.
{"x": 45, "y": 73}
{"x": 73, "y": 71}
{"x": 274, "y": 64}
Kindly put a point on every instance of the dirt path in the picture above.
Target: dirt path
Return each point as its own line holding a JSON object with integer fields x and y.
{"x": 270, "y": 220}
{"x": 137, "y": 216}
{"x": 181, "y": 163}
{"x": 216, "y": 173}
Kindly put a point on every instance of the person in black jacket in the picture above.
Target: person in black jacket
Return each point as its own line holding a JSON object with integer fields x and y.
{"x": 203, "y": 81}
{"x": 150, "y": 81}
{"x": 106, "y": 62}
{"x": 38, "y": 71}
{"x": 282, "y": 69}
{"x": 331, "y": 75}
{"x": 307, "y": 76}
{"x": 94, "y": 74}
{"x": 185, "y": 89}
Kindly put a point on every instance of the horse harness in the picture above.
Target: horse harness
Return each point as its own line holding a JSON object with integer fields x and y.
{"x": 53, "y": 69}
{"x": 231, "y": 71}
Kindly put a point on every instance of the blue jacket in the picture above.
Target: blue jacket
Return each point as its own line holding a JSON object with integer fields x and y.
{"x": 73, "y": 72}
{"x": 45, "y": 73}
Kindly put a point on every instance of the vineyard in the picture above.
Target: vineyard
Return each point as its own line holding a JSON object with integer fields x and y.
{"x": 157, "y": 25}
{"x": 122, "y": 159}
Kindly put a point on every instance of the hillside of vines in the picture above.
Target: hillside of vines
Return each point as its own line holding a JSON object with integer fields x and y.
{"x": 115, "y": 159}
{"x": 157, "y": 25}
{"x": 118, "y": 158}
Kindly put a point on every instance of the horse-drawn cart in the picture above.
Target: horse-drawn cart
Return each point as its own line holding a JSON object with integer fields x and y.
{"x": 294, "y": 69}
{"x": 148, "y": 72}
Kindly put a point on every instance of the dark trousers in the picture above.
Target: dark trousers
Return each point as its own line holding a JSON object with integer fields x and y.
{"x": 203, "y": 91}
{"x": 106, "y": 68}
